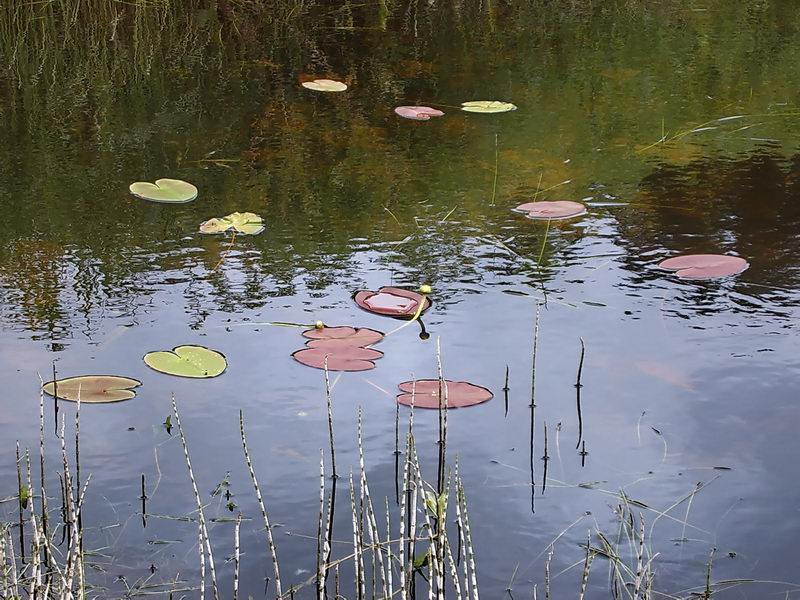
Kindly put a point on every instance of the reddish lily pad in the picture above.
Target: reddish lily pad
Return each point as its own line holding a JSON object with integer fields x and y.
{"x": 345, "y": 348}
{"x": 426, "y": 395}
{"x": 93, "y": 389}
{"x": 349, "y": 336}
{"x": 341, "y": 358}
{"x": 392, "y": 302}
{"x": 705, "y": 266}
{"x": 557, "y": 209}
{"x": 418, "y": 113}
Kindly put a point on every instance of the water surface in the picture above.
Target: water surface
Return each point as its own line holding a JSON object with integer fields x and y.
{"x": 680, "y": 378}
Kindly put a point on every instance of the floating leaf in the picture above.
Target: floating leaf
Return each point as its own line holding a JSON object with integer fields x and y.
{"x": 93, "y": 389}
{"x": 418, "y": 113}
{"x": 426, "y": 395}
{"x": 546, "y": 209}
{"x": 392, "y": 302}
{"x": 705, "y": 266}
{"x": 349, "y": 336}
{"x": 164, "y": 190}
{"x": 325, "y": 85}
{"x": 187, "y": 361}
{"x": 345, "y": 348}
{"x": 487, "y": 106}
{"x": 245, "y": 223}
{"x": 341, "y": 358}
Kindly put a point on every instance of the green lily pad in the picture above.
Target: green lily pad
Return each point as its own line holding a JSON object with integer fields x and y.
{"x": 325, "y": 85}
{"x": 244, "y": 223}
{"x": 187, "y": 361}
{"x": 93, "y": 389}
{"x": 487, "y": 106}
{"x": 164, "y": 190}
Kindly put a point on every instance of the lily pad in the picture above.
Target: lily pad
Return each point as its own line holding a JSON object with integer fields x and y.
{"x": 340, "y": 358}
{"x": 556, "y": 209}
{"x": 244, "y": 223}
{"x": 705, "y": 266}
{"x": 418, "y": 113}
{"x": 187, "y": 361}
{"x": 173, "y": 191}
{"x": 325, "y": 85}
{"x": 487, "y": 106}
{"x": 426, "y": 394}
{"x": 93, "y": 389}
{"x": 392, "y": 302}
{"x": 348, "y": 336}
{"x": 345, "y": 348}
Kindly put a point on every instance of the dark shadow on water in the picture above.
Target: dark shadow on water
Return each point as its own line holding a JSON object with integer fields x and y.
{"x": 746, "y": 205}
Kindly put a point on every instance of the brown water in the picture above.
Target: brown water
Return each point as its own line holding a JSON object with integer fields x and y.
{"x": 680, "y": 378}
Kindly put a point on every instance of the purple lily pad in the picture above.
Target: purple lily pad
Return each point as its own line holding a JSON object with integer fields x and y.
{"x": 392, "y": 302}
{"x": 555, "y": 209}
{"x": 426, "y": 394}
{"x": 705, "y": 266}
{"x": 348, "y": 336}
{"x": 345, "y": 348}
{"x": 418, "y": 113}
{"x": 340, "y": 358}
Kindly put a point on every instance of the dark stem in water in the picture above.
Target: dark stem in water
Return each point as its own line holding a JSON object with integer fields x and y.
{"x": 330, "y": 419}
{"x": 546, "y": 459}
{"x": 55, "y": 399}
{"x": 533, "y": 408}
{"x": 332, "y": 511}
{"x": 506, "y": 389}
{"x": 143, "y": 498}
{"x": 578, "y": 386}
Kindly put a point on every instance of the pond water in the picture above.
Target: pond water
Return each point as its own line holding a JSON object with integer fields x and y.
{"x": 683, "y": 382}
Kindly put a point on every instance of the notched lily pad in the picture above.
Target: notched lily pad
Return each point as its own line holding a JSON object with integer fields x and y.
{"x": 705, "y": 266}
{"x": 418, "y": 113}
{"x": 244, "y": 223}
{"x": 487, "y": 106}
{"x": 187, "y": 361}
{"x": 324, "y": 85}
{"x": 172, "y": 191}
{"x": 551, "y": 209}
{"x": 93, "y": 389}
{"x": 392, "y": 302}
{"x": 345, "y": 348}
{"x": 349, "y": 336}
{"x": 340, "y": 358}
{"x": 426, "y": 393}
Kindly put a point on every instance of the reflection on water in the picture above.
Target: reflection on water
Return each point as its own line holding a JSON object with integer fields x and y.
{"x": 680, "y": 378}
